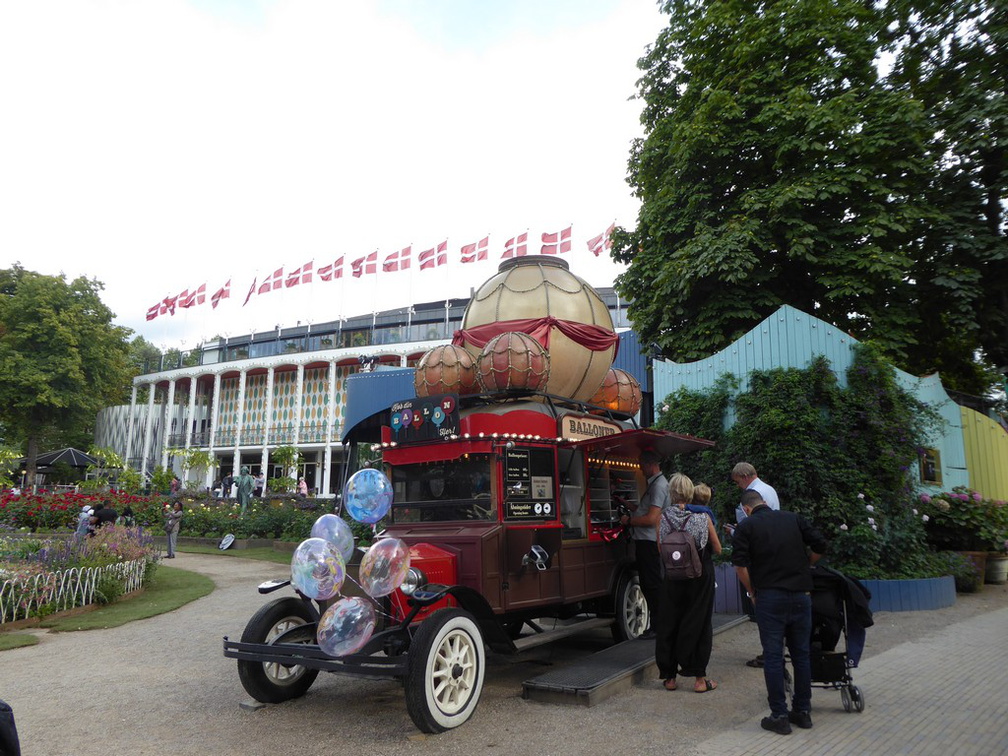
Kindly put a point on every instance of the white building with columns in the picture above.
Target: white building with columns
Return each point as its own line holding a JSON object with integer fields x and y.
{"x": 242, "y": 397}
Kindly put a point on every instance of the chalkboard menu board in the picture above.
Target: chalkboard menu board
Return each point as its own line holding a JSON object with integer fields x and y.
{"x": 425, "y": 419}
{"x": 529, "y": 491}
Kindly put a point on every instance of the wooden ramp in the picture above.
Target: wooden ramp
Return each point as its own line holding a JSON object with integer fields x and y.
{"x": 605, "y": 673}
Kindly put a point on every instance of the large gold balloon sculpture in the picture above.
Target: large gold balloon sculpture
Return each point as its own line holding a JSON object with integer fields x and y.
{"x": 564, "y": 308}
{"x": 533, "y": 326}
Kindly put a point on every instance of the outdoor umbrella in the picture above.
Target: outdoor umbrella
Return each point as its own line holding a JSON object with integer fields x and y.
{"x": 70, "y": 456}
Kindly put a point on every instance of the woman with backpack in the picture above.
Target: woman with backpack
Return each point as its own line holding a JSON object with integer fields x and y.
{"x": 684, "y": 634}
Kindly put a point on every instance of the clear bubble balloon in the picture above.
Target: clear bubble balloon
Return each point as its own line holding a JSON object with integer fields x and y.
{"x": 334, "y": 529}
{"x": 317, "y": 569}
{"x": 368, "y": 495}
{"x": 346, "y": 626}
{"x": 384, "y": 567}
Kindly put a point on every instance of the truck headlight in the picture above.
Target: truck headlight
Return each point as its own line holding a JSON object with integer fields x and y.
{"x": 413, "y": 580}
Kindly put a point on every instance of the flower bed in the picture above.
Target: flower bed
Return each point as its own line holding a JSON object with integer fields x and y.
{"x": 42, "y": 575}
{"x": 274, "y": 518}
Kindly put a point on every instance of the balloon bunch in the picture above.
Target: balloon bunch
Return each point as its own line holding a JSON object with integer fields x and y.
{"x": 318, "y": 567}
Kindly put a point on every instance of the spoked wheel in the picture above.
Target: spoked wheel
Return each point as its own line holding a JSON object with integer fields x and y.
{"x": 857, "y": 698}
{"x": 445, "y": 669}
{"x": 632, "y": 614}
{"x": 272, "y": 682}
{"x": 845, "y": 698}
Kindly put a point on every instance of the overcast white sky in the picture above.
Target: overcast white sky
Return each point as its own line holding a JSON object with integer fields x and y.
{"x": 162, "y": 144}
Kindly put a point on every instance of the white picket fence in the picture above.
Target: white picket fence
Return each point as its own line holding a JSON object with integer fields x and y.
{"x": 65, "y": 589}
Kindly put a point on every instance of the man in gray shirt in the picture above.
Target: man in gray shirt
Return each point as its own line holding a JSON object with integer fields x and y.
{"x": 643, "y": 521}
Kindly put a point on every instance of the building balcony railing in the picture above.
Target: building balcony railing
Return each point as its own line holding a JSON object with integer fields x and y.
{"x": 279, "y": 435}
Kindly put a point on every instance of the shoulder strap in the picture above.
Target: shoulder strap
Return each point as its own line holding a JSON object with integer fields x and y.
{"x": 648, "y": 489}
{"x": 668, "y": 519}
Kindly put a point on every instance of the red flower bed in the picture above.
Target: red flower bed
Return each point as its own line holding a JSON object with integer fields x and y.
{"x": 59, "y": 511}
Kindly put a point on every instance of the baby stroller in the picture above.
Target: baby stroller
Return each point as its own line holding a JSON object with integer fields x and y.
{"x": 839, "y": 609}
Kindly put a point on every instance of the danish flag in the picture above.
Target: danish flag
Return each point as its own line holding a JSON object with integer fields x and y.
{"x": 300, "y": 275}
{"x": 601, "y": 242}
{"x": 476, "y": 251}
{"x": 431, "y": 258}
{"x": 272, "y": 282}
{"x": 332, "y": 271}
{"x": 365, "y": 265}
{"x": 556, "y": 244}
{"x": 516, "y": 246}
{"x": 399, "y": 260}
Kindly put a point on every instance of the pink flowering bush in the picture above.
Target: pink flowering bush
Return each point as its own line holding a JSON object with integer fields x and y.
{"x": 963, "y": 520}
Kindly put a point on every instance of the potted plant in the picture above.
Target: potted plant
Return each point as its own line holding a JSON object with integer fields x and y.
{"x": 997, "y": 565}
{"x": 996, "y": 532}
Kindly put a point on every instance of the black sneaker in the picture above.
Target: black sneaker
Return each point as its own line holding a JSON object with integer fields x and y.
{"x": 780, "y": 725}
{"x": 800, "y": 719}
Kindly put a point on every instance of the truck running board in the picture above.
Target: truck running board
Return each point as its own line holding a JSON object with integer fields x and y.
{"x": 548, "y": 636}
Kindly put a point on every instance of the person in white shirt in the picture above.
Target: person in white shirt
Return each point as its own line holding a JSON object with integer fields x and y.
{"x": 745, "y": 477}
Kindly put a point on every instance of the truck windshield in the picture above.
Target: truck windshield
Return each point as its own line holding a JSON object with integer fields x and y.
{"x": 458, "y": 489}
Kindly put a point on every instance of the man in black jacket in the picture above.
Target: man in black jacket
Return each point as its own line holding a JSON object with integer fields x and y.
{"x": 772, "y": 552}
{"x": 105, "y": 515}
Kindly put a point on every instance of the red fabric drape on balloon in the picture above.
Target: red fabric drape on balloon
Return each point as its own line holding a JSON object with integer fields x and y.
{"x": 593, "y": 337}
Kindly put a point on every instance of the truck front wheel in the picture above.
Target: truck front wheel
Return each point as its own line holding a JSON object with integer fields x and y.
{"x": 272, "y": 682}
{"x": 445, "y": 669}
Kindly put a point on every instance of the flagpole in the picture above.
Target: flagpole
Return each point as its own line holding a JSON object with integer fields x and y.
{"x": 447, "y": 289}
{"x": 374, "y": 296}
{"x": 409, "y": 296}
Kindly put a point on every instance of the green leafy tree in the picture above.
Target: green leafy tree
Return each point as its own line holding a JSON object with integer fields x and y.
{"x": 144, "y": 357}
{"x": 9, "y": 459}
{"x": 193, "y": 459}
{"x": 953, "y": 58}
{"x": 780, "y": 167}
{"x": 287, "y": 458}
{"x": 160, "y": 480}
{"x": 61, "y": 358}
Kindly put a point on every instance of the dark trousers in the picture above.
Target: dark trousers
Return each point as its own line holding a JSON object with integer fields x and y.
{"x": 785, "y": 616}
{"x": 684, "y": 632}
{"x": 649, "y": 572}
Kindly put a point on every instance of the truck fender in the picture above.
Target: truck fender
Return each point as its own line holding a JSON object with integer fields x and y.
{"x": 494, "y": 634}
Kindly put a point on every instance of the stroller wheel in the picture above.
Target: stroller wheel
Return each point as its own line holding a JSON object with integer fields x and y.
{"x": 845, "y": 699}
{"x": 857, "y": 699}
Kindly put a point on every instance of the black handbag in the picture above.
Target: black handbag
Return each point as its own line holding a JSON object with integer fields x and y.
{"x": 9, "y": 744}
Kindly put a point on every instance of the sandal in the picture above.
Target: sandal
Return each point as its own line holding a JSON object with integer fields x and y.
{"x": 670, "y": 683}
{"x": 709, "y": 685}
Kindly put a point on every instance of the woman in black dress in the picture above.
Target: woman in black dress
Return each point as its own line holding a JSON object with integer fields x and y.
{"x": 684, "y": 633}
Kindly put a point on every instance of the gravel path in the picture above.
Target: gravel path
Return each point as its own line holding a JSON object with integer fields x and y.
{"x": 162, "y": 685}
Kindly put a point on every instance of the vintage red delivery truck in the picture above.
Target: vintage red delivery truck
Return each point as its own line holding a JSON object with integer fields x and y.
{"x": 509, "y": 498}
